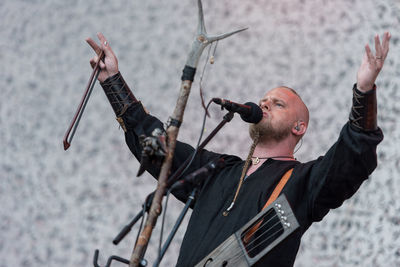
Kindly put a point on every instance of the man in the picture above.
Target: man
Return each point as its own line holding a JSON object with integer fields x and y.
{"x": 238, "y": 192}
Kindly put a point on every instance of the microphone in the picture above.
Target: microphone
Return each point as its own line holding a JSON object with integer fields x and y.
{"x": 249, "y": 111}
{"x": 199, "y": 175}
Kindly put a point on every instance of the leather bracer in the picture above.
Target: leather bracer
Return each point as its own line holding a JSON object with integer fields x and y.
{"x": 363, "y": 114}
{"x": 119, "y": 95}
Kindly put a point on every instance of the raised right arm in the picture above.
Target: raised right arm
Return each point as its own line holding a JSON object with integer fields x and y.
{"x": 132, "y": 116}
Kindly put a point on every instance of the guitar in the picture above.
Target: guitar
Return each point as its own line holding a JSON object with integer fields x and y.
{"x": 255, "y": 239}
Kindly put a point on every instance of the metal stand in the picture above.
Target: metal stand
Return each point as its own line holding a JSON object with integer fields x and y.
{"x": 176, "y": 226}
{"x": 227, "y": 118}
{"x": 143, "y": 263}
{"x": 129, "y": 226}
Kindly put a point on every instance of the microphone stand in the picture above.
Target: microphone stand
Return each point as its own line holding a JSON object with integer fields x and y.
{"x": 227, "y": 118}
{"x": 128, "y": 227}
{"x": 176, "y": 226}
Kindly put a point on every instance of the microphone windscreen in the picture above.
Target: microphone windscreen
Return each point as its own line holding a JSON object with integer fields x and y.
{"x": 256, "y": 114}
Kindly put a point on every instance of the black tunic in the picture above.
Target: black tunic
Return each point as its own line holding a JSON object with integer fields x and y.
{"x": 314, "y": 188}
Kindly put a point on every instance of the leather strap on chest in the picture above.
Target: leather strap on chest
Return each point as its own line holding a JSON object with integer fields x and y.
{"x": 279, "y": 188}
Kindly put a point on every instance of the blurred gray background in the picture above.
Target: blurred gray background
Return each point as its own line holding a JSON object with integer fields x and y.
{"x": 58, "y": 206}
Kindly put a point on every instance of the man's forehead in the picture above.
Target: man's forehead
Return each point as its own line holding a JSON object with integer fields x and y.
{"x": 279, "y": 92}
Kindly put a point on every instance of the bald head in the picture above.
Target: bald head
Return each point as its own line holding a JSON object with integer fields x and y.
{"x": 301, "y": 108}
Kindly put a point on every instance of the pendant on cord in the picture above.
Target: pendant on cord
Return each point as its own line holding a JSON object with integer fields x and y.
{"x": 255, "y": 160}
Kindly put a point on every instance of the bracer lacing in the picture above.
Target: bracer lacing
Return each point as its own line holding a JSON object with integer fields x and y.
{"x": 363, "y": 114}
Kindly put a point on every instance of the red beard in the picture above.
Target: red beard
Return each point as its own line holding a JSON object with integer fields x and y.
{"x": 267, "y": 131}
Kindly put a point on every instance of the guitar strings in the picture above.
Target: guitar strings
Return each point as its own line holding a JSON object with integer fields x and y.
{"x": 258, "y": 229}
{"x": 262, "y": 224}
{"x": 263, "y": 233}
{"x": 238, "y": 253}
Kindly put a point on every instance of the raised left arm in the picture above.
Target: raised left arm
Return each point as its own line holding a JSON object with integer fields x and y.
{"x": 363, "y": 115}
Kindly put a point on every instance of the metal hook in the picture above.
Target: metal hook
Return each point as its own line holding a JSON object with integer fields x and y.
{"x": 110, "y": 259}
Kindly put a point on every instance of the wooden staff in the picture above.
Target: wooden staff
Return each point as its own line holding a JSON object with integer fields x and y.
{"x": 200, "y": 42}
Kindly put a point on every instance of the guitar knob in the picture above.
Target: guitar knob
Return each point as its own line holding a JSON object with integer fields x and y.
{"x": 287, "y": 225}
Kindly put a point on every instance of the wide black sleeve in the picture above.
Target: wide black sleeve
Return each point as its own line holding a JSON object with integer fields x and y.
{"x": 138, "y": 122}
{"x": 336, "y": 176}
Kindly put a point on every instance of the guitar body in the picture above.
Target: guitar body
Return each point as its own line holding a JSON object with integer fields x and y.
{"x": 255, "y": 239}
{"x": 222, "y": 255}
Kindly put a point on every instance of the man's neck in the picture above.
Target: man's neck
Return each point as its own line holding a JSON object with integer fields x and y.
{"x": 272, "y": 148}
{"x": 269, "y": 149}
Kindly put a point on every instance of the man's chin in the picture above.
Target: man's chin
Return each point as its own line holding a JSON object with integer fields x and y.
{"x": 266, "y": 133}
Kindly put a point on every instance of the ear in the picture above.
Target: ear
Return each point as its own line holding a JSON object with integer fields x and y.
{"x": 299, "y": 128}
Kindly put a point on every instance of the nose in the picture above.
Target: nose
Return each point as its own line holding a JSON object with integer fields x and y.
{"x": 265, "y": 104}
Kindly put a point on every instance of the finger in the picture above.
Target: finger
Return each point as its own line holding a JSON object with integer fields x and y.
{"x": 385, "y": 43}
{"x": 365, "y": 57}
{"x": 93, "y": 44}
{"x": 102, "y": 65}
{"x": 92, "y": 63}
{"x": 95, "y": 60}
{"x": 378, "y": 47}
{"x": 105, "y": 45}
{"x": 370, "y": 56}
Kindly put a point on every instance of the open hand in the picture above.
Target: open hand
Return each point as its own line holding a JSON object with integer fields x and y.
{"x": 109, "y": 65}
{"x": 372, "y": 64}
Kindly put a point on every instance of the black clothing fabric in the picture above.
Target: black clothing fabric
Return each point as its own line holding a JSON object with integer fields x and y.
{"x": 314, "y": 188}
